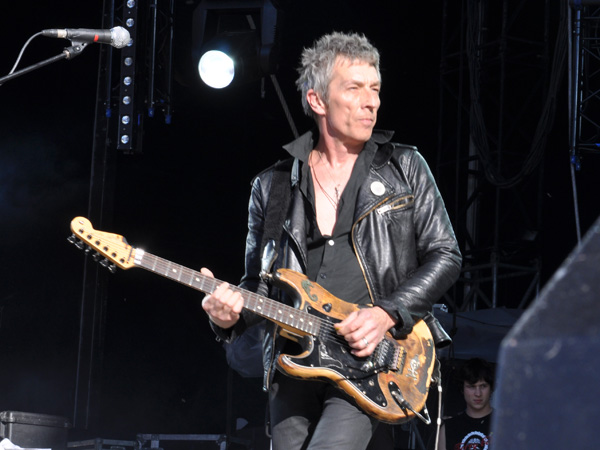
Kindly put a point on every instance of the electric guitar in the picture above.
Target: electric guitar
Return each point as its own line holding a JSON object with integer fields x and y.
{"x": 391, "y": 384}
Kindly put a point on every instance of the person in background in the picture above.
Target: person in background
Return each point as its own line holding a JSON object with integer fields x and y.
{"x": 470, "y": 429}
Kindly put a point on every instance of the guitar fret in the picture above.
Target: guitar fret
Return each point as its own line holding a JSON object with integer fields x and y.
{"x": 265, "y": 307}
{"x": 187, "y": 274}
{"x": 201, "y": 282}
{"x": 255, "y": 303}
{"x": 172, "y": 271}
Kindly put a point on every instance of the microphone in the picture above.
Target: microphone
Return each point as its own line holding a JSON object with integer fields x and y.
{"x": 117, "y": 37}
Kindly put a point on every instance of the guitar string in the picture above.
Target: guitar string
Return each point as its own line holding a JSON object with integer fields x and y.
{"x": 323, "y": 325}
{"x": 326, "y": 330}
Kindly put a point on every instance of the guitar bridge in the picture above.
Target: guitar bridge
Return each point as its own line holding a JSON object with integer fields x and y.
{"x": 388, "y": 355}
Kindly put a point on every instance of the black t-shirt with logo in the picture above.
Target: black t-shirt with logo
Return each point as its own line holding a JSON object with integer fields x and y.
{"x": 467, "y": 433}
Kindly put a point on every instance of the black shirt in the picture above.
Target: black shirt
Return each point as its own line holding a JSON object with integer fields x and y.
{"x": 464, "y": 432}
{"x": 332, "y": 262}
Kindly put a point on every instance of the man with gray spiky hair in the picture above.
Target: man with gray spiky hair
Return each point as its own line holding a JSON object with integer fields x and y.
{"x": 366, "y": 222}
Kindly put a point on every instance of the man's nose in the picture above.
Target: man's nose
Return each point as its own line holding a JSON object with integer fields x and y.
{"x": 371, "y": 98}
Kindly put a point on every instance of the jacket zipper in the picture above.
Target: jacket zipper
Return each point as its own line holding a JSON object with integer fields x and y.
{"x": 360, "y": 262}
{"x": 385, "y": 208}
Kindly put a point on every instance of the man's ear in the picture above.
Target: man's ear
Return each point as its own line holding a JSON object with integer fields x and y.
{"x": 316, "y": 102}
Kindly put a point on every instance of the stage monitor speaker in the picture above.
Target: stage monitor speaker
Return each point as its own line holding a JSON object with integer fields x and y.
{"x": 547, "y": 393}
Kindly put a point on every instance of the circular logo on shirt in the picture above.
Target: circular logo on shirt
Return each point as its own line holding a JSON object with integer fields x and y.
{"x": 475, "y": 440}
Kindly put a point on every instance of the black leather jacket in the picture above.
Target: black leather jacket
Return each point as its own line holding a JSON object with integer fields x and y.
{"x": 401, "y": 234}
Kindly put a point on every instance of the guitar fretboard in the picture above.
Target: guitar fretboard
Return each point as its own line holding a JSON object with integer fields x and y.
{"x": 263, "y": 306}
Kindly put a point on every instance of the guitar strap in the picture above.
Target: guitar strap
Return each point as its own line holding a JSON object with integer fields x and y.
{"x": 277, "y": 204}
{"x": 280, "y": 194}
{"x": 244, "y": 353}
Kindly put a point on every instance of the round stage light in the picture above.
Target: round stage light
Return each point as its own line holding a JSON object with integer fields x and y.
{"x": 216, "y": 69}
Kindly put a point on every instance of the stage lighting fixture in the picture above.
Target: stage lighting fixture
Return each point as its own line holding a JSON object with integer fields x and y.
{"x": 216, "y": 69}
{"x": 234, "y": 40}
{"x": 126, "y": 130}
{"x": 232, "y": 54}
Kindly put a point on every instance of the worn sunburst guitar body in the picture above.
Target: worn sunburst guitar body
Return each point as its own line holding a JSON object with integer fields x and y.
{"x": 391, "y": 384}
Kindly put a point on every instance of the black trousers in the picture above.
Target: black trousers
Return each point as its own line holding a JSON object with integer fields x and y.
{"x": 311, "y": 415}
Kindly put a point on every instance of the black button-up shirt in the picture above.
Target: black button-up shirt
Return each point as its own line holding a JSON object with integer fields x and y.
{"x": 332, "y": 262}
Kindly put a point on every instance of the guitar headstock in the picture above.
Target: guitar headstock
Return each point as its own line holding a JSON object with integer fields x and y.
{"x": 112, "y": 246}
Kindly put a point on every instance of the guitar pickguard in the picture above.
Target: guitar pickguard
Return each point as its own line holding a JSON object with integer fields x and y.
{"x": 326, "y": 359}
{"x": 327, "y": 363}
{"x": 330, "y": 351}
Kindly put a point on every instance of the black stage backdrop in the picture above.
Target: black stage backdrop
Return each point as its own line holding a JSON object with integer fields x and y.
{"x": 185, "y": 199}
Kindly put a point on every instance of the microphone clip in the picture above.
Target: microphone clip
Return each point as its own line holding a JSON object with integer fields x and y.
{"x": 75, "y": 49}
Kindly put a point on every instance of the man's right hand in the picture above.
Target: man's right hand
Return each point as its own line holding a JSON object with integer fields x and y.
{"x": 224, "y": 305}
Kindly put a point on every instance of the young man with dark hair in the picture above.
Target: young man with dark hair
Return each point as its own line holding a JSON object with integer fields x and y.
{"x": 470, "y": 429}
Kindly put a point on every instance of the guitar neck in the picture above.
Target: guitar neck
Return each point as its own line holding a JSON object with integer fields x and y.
{"x": 286, "y": 316}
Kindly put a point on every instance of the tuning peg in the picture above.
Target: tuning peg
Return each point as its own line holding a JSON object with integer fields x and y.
{"x": 73, "y": 240}
{"x": 106, "y": 263}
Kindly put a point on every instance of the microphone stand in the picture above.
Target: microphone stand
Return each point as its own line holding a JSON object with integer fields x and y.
{"x": 67, "y": 53}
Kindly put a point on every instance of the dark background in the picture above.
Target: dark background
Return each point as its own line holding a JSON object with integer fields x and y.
{"x": 184, "y": 198}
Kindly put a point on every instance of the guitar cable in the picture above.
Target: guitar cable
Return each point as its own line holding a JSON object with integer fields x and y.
{"x": 439, "y": 414}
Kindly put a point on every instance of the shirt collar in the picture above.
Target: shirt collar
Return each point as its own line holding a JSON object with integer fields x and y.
{"x": 302, "y": 146}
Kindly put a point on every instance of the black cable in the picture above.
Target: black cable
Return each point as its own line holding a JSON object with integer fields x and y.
{"x": 478, "y": 128}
